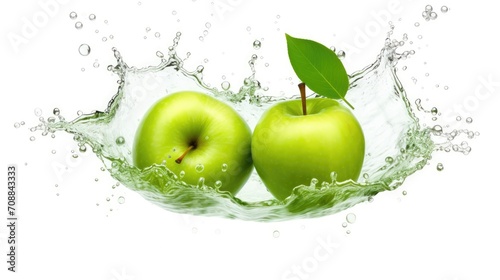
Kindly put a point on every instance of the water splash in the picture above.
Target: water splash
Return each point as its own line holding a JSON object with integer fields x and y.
{"x": 396, "y": 143}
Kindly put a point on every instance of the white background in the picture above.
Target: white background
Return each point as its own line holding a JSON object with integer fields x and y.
{"x": 445, "y": 228}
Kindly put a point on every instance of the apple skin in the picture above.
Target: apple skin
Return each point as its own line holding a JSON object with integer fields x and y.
{"x": 290, "y": 149}
{"x": 218, "y": 132}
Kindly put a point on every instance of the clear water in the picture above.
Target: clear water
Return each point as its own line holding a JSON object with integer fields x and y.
{"x": 397, "y": 145}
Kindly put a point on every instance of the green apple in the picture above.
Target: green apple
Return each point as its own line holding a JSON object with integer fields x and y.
{"x": 290, "y": 148}
{"x": 196, "y": 136}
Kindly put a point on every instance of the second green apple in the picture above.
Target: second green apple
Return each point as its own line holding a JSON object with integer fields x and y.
{"x": 290, "y": 149}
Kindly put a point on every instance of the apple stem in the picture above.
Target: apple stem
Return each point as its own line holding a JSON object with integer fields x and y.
{"x": 349, "y": 104}
{"x": 302, "y": 88}
{"x": 179, "y": 160}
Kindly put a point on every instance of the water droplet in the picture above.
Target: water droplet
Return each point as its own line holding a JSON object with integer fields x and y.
{"x": 73, "y": 15}
{"x": 157, "y": 34}
{"x": 92, "y": 17}
{"x": 111, "y": 37}
{"x": 105, "y": 21}
{"x": 225, "y": 85}
{"x": 224, "y": 167}
{"x": 121, "y": 200}
{"x": 38, "y": 112}
{"x": 404, "y": 192}
{"x": 83, "y": 149}
{"x": 366, "y": 176}
{"x": 120, "y": 140}
{"x": 420, "y": 36}
{"x": 53, "y": 152}
{"x": 468, "y": 120}
{"x": 181, "y": 174}
{"x": 56, "y": 111}
{"x": 17, "y": 125}
{"x": 218, "y": 184}
{"x": 437, "y": 128}
{"x": 199, "y": 168}
{"x": 350, "y": 218}
{"x": 341, "y": 54}
{"x": 314, "y": 181}
{"x": 389, "y": 160}
{"x": 444, "y": 9}
{"x": 370, "y": 199}
{"x": 428, "y": 8}
{"x": 433, "y": 15}
{"x": 78, "y": 25}
{"x": 160, "y": 54}
{"x": 108, "y": 199}
{"x": 333, "y": 176}
{"x": 96, "y": 64}
{"x": 439, "y": 167}
{"x": 344, "y": 224}
{"x": 434, "y": 111}
{"x": 84, "y": 49}
{"x": 201, "y": 182}
{"x": 104, "y": 39}
{"x": 257, "y": 44}
{"x": 201, "y": 38}
{"x": 174, "y": 12}
{"x": 417, "y": 24}
{"x": 276, "y": 234}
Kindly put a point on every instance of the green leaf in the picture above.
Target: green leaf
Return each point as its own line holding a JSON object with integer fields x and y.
{"x": 318, "y": 67}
